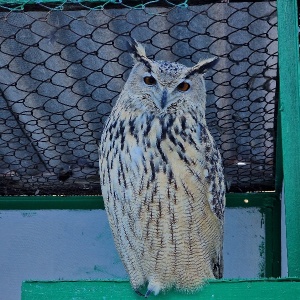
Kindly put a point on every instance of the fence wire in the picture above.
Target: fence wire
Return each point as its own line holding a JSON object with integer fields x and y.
{"x": 63, "y": 66}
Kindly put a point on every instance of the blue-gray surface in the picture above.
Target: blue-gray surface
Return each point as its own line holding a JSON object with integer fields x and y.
{"x": 78, "y": 245}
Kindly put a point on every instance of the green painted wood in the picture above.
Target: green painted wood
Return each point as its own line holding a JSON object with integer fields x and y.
{"x": 278, "y": 145}
{"x": 272, "y": 240}
{"x": 217, "y": 290}
{"x": 290, "y": 117}
{"x": 96, "y": 202}
{"x": 51, "y": 202}
{"x": 266, "y": 199}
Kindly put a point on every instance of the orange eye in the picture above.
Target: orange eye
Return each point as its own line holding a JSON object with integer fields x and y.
{"x": 149, "y": 80}
{"x": 183, "y": 86}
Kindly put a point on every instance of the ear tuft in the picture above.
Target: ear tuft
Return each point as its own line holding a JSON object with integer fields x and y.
{"x": 138, "y": 53}
{"x": 136, "y": 50}
{"x": 203, "y": 66}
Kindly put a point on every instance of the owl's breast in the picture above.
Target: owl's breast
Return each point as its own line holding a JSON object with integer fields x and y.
{"x": 157, "y": 177}
{"x": 170, "y": 146}
{"x": 154, "y": 151}
{"x": 171, "y": 142}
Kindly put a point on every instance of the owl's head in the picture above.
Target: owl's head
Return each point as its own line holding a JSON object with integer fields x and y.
{"x": 164, "y": 87}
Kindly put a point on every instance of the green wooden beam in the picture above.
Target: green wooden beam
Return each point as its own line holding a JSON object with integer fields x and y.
{"x": 216, "y": 290}
{"x": 262, "y": 200}
{"x": 51, "y": 202}
{"x": 96, "y": 202}
{"x": 289, "y": 107}
{"x": 278, "y": 144}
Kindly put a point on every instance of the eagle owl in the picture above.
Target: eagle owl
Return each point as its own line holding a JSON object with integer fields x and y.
{"x": 162, "y": 177}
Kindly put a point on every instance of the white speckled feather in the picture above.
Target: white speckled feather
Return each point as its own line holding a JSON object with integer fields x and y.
{"x": 162, "y": 178}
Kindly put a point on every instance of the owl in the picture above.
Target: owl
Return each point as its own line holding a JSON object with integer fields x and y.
{"x": 162, "y": 177}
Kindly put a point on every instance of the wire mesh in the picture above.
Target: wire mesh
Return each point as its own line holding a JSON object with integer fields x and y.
{"x": 63, "y": 66}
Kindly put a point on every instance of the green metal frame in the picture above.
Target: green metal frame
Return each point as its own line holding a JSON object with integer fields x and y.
{"x": 289, "y": 109}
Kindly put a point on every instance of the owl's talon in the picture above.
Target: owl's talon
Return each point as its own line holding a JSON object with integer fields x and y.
{"x": 139, "y": 293}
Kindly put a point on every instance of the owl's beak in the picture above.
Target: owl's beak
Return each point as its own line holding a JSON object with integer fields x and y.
{"x": 164, "y": 99}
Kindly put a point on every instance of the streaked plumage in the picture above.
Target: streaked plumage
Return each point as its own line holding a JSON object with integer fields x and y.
{"x": 162, "y": 177}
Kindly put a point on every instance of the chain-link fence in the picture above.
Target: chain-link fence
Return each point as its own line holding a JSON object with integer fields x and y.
{"x": 62, "y": 67}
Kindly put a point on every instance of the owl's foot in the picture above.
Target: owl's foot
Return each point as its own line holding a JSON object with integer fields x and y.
{"x": 153, "y": 287}
{"x": 141, "y": 294}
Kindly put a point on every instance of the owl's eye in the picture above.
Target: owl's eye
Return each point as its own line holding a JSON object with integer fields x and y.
{"x": 149, "y": 80}
{"x": 183, "y": 86}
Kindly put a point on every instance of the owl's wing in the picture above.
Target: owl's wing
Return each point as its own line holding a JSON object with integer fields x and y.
{"x": 216, "y": 183}
{"x": 217, "y": 202}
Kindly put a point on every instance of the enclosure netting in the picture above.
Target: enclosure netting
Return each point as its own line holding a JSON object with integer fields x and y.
{"x": 63, "y": 65}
